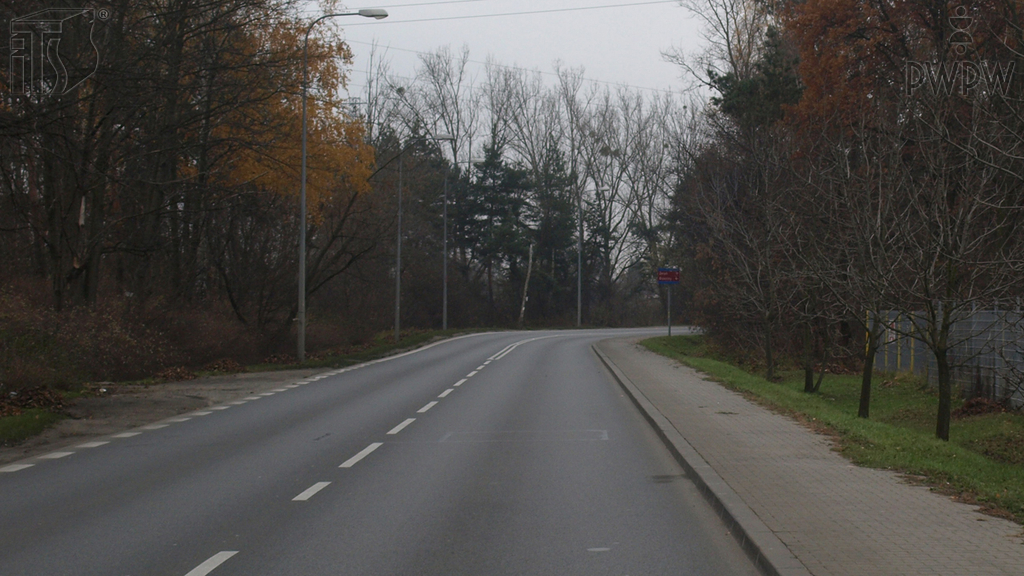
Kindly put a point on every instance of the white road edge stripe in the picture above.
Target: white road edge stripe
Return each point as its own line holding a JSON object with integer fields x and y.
{"x": 309, "y": 492}
{"x": 214, "y": 561}
{"x": 427, "y": 407}
{"x": 401, "y": 426}
{"x": 92, "y": 444}
{"x": 363, "y": 454}
{"x": 446, "y": 392}
{"x": 15, "y": 467}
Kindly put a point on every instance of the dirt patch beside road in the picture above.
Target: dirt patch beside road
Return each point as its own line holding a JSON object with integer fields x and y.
{"x": 124, "y": 407}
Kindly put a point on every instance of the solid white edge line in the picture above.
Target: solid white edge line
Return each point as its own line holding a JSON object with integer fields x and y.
{"x": 362, "y": 454}
{"x": 212, "y": 563}
{"x": 460, "y": 382}
{"x": 311, "y": 491}
{"x": 427, "y": 407}
{"x": 446, "y": 392}
{"x": 401, "y": 426}
{"x": 15, "y": 467}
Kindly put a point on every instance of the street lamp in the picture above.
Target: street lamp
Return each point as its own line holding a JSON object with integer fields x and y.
{"x": 398, "y": 251}
{"x": 444, "y": 268}
{"x": 377, "y": 14}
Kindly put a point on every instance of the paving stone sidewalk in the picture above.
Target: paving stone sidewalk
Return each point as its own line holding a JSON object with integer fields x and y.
{"x": 835, "y": 518}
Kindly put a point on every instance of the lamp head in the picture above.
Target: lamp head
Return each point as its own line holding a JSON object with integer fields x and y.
{"x": 377, "y": 13}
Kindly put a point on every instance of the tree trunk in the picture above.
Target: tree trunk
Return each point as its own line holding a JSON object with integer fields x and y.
{"x": 865, "y": 382}
{"x": 945, "y": 394}
{"x": 808, "y": 359}
{"x": 769, "y": 356}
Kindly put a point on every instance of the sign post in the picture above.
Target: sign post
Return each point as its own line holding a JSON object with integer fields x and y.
{"x": 668, "y": 277}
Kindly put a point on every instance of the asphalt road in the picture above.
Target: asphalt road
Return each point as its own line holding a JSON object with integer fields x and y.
{"x": 508, "y": 453}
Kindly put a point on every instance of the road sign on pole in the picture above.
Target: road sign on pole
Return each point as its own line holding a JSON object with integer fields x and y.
{"x": 668, "y": 277}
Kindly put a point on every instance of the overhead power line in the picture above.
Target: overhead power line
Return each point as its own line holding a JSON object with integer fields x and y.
{"x": 519, "y": 68}
{"x": 504, "y": 14}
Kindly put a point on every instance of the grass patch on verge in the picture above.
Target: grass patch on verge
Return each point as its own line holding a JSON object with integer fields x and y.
{"x": 30, "y": 422}
{"x": 983, "y": 463}
{"x": 382, "y": 345}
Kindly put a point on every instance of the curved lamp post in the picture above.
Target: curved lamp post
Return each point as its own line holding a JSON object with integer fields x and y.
{"x": 398, "y": 251}
{"x": 377, "y": 14}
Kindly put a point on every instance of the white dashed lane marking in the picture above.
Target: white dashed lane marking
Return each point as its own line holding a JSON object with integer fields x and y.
{"x": 309, "y": 492}
{"x": 471, "y": 374}
{"x": 92, "y": 444}
{"x": 126, "y": 434}
{"x": 401, "y": 426}
{"x": 15, "y": 467}
{"x": 363, "y": 454}
{"x": 445, "y": 393}
{"x": 212, "y": 563}
{"x": 155, "y": 426}
{"x": 427, "y": 407}
{"x": 460, "y": 382}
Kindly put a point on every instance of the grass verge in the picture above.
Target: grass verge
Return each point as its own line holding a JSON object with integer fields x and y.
{"x": 983, "y": 463}
{"x": 30, "y": 422}
{"x": 15, "y": 429}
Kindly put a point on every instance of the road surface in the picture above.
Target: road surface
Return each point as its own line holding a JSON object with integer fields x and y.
{"x": 505, "y": 453}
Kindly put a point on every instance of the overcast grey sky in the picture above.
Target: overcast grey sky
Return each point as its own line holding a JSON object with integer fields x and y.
{"x": 617, "y": 41}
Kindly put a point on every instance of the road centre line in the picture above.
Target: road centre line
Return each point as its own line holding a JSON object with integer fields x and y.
{"x": 503, "y": 350}
{"x": 481, "y": 367}
{"x": 203, "y": 413}
{"x": 268, "y": 393}
{"x": 182, "y": 419}
{"x": 460, "y": 382}
{"x": 362, "y": 454}
{"x": 238, "y": 402}
{"x": 155, "y": 426}
{"x": 92, "y": 444}
{"x": 212, "y": 563}
{"x": 401, "y": 426}
{"x": 427, "y": 407}
{"x": 55, "y": 455}
{"x": 15, "y": 467}
{"x": 446, "y": 392}
{"x": 471, "y": 374}
{"x": 220, "y": 407}
{"x": 254, "y": 398}
{"x": 126, "y": 434}
{"x": 285, "y": 389}
{"x": 311, "y": 491}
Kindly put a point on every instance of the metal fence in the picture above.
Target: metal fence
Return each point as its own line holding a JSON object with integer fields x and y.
{"x": 987, "y": 357}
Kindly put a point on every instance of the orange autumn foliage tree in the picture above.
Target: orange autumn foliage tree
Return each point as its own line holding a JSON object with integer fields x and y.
{"x": 895, "y": 126}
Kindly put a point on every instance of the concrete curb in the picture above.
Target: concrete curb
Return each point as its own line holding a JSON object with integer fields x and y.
{"x": 765, "y": 549}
